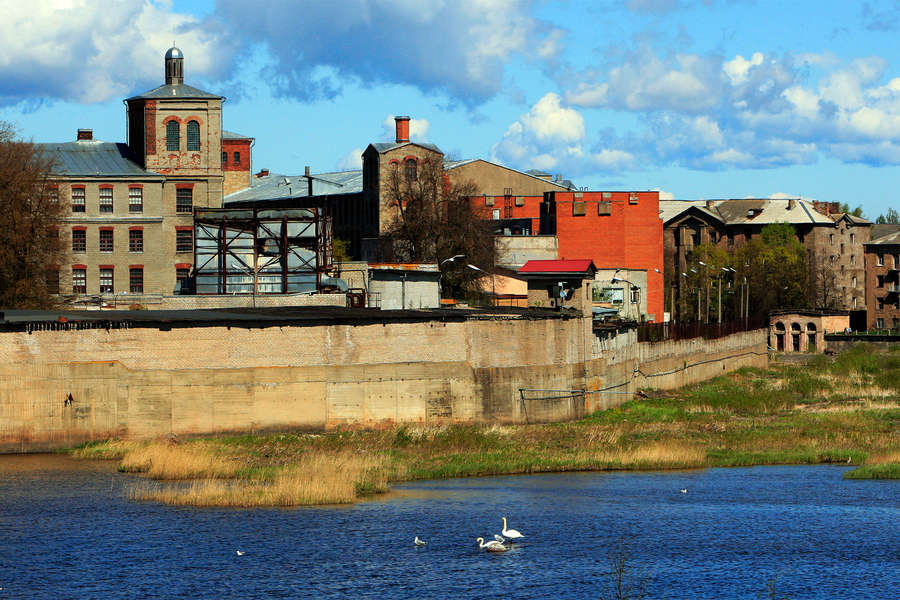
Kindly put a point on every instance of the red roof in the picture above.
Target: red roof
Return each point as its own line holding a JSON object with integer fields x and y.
{"x": 558, "y": 266}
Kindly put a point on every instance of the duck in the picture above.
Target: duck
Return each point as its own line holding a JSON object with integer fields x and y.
{"x": 491, "y": 546}
{"x": 510, "y": 534}
{"x": 419, "y": 542}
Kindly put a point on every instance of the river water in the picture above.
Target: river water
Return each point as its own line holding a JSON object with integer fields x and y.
{"x": 66, "y": 531}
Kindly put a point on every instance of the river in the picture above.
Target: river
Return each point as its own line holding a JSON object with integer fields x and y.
{"x": 66, "y": 531}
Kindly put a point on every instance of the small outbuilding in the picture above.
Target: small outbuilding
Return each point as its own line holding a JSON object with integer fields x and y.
{"x": 560, "y": 283}
{"x": 404, "y": 285}
{"x": 804, "y": 330}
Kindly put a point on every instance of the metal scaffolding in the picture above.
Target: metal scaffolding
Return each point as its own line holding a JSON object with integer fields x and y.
{"x": 261, "y": 251}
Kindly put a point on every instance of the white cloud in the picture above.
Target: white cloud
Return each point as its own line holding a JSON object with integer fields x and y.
{"x": 783, "y": 196}
{"x": 352, "y": 161}
{"x": 88, "y": 52}
{"x": 737, "y": 68}
{"x": 549, "y": 120}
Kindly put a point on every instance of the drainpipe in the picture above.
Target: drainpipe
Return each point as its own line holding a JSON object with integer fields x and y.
{"x": 403, "y": 291}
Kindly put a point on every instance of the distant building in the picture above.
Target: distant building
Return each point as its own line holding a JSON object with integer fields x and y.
{"x": 834, "y": 241}
{"x": 882, "y": 257}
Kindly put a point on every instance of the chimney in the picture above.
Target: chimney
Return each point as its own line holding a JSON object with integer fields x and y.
{"x": 402, "y": 129}
{"x": 85, "y": 134}
{"x": 263, "y": 173}
{"x": 709, "y": 204}
{"x": 309, "y": 181}
{"x": 792, "y": 203}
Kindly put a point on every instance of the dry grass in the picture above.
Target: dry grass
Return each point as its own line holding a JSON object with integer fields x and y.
{"x": 164, "y": 460}
{"x": 318, "y": 478}
{"x": 106, "y": 450}
{"x": 884, "y": 458}
{"x": 669, "y": 454}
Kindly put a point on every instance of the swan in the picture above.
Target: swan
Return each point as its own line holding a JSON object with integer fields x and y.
{"x": 510, "y": 534}
{"x": 419, "y": 542}
{"x": 491, "y": 546}
{"x": 684, "y": 490}
{"x": 499, "y": 538}
{"x": 241, "y": 553}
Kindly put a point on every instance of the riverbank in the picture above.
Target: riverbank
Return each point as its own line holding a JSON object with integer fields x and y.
{"x": 845, "y": 410}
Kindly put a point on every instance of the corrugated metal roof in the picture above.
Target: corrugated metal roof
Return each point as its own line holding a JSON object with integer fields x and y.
{"x": 421, "y": 267}
{"x": 174, "y": 91}
{"x": 276, "y": 185}
{"x": 538, "y": 267}
{"x": 888, "y": 239}
{"x": 93, "y": 158}
{"x": 231, "y": 135}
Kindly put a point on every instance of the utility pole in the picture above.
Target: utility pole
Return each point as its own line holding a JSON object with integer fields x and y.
{"x": 720, "y": 300}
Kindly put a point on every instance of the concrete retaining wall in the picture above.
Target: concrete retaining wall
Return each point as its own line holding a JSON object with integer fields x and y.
{"x": 140, "y": 383}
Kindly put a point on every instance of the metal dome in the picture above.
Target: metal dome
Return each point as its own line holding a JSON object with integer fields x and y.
{"x": 174, "y": 52}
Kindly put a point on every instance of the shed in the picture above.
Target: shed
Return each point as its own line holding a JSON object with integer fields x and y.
{"x": 404, "y": 285}
{"x": 560, "y": 283}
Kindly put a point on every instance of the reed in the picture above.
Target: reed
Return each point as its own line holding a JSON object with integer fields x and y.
{"x": 105, "y": 450}
{"x": 164, "y": 460}
{"x": 318, "y": 478}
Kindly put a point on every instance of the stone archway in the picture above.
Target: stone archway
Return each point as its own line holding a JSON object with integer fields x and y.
{"x": 811, "y": 335}
{"x": 796, "y": 338}
{"x": 779, "y": 336}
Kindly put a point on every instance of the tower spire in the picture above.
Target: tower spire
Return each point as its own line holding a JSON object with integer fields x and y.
{"x": 174, "y": 66}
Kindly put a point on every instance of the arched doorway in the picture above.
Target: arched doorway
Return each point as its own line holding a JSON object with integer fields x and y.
{"x": 795, "y": 337}
{"x": 779, "y": 336}
{"x": 811, "y": 337}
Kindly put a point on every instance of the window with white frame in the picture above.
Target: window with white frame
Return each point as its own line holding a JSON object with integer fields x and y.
{"x": 135, "y": 199}
{"x": 106, "y": 240}
{"x": 79, "y": 281}
{"x": 136, "y": 280}
{"x": 106, "y": 200}
{"x": 77, "y": 199}
{"x": 106, "y": 281}
{"x": 135, "y": 240}
{"x": 184, "y": 200}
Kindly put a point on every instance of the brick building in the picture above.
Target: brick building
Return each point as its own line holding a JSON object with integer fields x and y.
{"x": 131, "y": 205}
{"x": 882, "y": 259}
{"x": 834, "y": 241}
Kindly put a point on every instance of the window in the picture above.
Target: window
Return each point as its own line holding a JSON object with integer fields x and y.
{"x": 488, "y": 200}
{"x": 136, "y": 280}
{"x": 106, "y": 281}
{"x": 842, "y": 247}
{"x": 79, "y": 240}
{"x": 193, "y": 135}
{"x": 53, "y": 194}
{"x": 520, "y": 201}
{"x": 77, "y": 199}
{"x": 237, "y": 158}
{"x": 51, "y": 278}
{"x": 852, "y": 258}
{"x": 852, "y": 238}
{"x": 224, "y": 158}
{"x": 184, "y": 200}
{"x": 831, "y": 237}
{"x": 181, "y": 275}
{"x": 79, "y": 281}
{"x": 106, "y": 200}
{"x": 831, "y": 259}
{"x": 106, "y": 240}
{"x": 411, "y": 169}
{"x": 135, "y": 200}
{"x": 135, "y": 240}
{"x": 853, "y": 281}
{"x": 879, "y": 323}
{"x": 173, "y": 136}
{"x": 635, "y": 295}
{"x": 880, "y": 262}
{"x": 880, "y": 281}
{"x": 184, "y": 240}
{"x": 604, "y": 207}
{"x": 881, "y": 304}
{"x": 854, "y": 301}
{"x": 632, "y": 199}
{"x": 579, "y": 209}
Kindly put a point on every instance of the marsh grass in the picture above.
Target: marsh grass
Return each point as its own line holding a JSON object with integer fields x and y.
{"x": 318, "y": 478}
{"x": 103, "y": 450}
{"x": 164, "y": 460}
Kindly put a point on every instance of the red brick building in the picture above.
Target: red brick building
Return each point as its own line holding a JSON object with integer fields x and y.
{"x": 882, "y": 256}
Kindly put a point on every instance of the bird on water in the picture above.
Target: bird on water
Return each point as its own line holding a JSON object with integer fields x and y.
{"x": 241, "y": 553}
{"x": 510, "y": 534}
{"x": 491, "y": 546}
{"x": 419, "y": 542}
{"x": 684, "y": 490}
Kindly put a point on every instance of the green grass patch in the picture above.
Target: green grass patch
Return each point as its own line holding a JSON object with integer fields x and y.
{"x": 884, "y": 471}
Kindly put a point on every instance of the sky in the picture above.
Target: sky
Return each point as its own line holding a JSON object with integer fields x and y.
{"x": 695, "y": 98}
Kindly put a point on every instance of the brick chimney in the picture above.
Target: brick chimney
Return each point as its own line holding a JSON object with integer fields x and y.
{"x": 792, "y": 203}
{"x": 402, "y": 129}
{"x": 85, "y": 134}
{"x": 709, "y": 204}
{"x": 263, "y": 173}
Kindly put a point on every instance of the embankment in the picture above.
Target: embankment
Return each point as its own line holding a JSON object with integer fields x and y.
{"x": 142, "y": 380}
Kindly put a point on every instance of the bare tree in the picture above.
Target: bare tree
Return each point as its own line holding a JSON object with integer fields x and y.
{"x": 30, "y": 214}
{"x": 824, "y": 282}
{"x": 434, "y": 221}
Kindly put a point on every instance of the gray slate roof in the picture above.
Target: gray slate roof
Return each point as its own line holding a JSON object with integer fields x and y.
{"x": 93, "y": 158}
{"x": 231, "y": 135}
{"x": 280, "y": 186}
{"x": 174, "y": 91}
{"x": 887, "y": 235}
{"x": 736, "y": 211}
{"x": 383, "y": 147}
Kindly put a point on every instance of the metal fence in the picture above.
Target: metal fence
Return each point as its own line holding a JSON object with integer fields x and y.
{"x": 660, "y": 332}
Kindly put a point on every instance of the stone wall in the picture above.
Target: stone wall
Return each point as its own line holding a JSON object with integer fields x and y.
{"x": 146, "y": 382}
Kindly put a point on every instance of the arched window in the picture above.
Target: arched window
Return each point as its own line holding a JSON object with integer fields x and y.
{"x": 193, "y": 135}
{"x": 411, "y": 172}
{"x": 173, "y": 136}
{"x": 810, "y": 326}
{"x": 779, "y": 326}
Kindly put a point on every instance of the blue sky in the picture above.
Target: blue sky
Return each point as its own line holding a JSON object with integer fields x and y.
{"x": 696, "y": 98}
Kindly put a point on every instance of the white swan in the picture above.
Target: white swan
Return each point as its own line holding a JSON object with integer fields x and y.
{"x": 510, "y": 534}
{"x": 419, "y": 542}
{"x": 491, "y": 546}
{"x": 684, "y": 490}
{"x": 499, "y": 538}
{"x": 241, "y": 553}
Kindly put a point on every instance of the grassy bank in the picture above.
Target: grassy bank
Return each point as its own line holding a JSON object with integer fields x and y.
{"x": 843, "y": 411}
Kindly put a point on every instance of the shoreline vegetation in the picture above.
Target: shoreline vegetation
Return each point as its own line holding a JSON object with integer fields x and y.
{"x": 843, "y": 410}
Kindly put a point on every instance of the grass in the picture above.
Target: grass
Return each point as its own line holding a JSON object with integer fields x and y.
{"x": 827, "y": 411}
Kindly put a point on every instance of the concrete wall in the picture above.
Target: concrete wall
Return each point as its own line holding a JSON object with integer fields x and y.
{"x": 142, "y": 382}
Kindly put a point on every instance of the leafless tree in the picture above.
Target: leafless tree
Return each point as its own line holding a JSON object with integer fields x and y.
{"x": 824, "y": 282}
{"x": 30, "y": 214}
{"x": 434, "y": 221}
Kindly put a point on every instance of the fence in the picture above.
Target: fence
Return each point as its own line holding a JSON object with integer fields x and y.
{"x": 660, "y": 332}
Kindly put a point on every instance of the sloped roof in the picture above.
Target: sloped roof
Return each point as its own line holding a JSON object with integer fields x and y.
{"x": 279, "y": 186}
{"x": 231, "y": 135}
{"x": 669, "y": 209}
{"x": 891, "y": 238}
{"x": 851, "y": 218}
{"x": 383, "y": 147}
{"x": 453, "y": 164}
{"x": 93, "y": 158}
{"x": 558, "y": 267}
{"x": 765, "y": 211}
{"x": 175, "y": 91}
{"x": 882, "y": 229}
